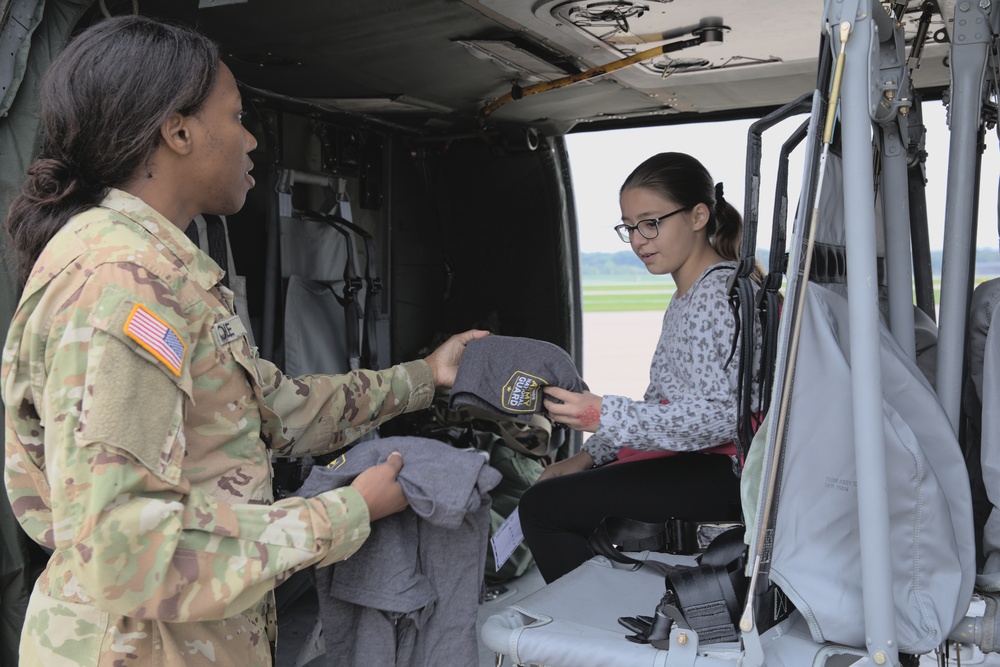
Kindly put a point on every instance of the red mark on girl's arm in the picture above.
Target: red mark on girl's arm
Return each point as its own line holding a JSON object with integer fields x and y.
{"x": 589, "y": 416}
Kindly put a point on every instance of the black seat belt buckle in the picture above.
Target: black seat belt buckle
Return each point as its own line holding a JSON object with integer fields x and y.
{"x": 682, "y": 537}
{"x": 353, "y": 285}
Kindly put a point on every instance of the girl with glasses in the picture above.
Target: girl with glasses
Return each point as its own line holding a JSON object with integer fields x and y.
{"x": 670, "y": 455}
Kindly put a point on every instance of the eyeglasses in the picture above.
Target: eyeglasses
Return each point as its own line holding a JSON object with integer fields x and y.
{"x": 648, "y": 228}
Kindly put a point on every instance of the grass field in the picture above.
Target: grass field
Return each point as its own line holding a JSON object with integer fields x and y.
{"x": 620, "y": 296}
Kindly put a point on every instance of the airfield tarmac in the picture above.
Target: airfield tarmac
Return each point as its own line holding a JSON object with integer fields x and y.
{"x": 617, "y": 350}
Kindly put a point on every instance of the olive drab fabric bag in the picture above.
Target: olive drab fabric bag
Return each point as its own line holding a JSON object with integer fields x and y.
{"x": 816, "y": 559}
{"x": 519, "y": 472}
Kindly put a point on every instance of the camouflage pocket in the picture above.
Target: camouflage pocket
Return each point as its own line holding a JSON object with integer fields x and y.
{"x": 59, "y": 633}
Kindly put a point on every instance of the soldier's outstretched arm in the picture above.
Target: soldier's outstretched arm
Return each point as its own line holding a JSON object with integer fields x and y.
{"x": 321, "y": 413}
{"x": 315, "y": 414}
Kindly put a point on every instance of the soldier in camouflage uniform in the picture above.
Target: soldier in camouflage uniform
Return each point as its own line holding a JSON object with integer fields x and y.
{"x": 140, "y": 422}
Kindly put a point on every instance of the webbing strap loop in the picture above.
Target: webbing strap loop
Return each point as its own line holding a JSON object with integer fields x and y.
{"x": 706, "y": 598}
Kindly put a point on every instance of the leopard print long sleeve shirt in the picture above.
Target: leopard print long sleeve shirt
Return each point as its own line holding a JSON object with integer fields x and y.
{"x": 691, "y": 402}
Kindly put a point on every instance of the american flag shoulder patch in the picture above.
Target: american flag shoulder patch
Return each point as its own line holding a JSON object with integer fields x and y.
{"x": 156, "y": 337}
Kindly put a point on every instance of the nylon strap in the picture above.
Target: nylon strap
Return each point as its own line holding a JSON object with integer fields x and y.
{"x": 339, "y": 206}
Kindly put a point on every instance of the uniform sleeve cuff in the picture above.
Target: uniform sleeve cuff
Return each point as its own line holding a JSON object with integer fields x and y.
{"x": 421, "y": 383}
{"x": 349, "y": 517}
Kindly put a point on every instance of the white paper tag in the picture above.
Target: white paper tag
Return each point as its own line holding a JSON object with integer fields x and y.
{"x": 506, "y": 539}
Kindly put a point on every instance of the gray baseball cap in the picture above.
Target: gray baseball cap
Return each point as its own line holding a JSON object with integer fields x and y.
{"x": 505, "y": 375}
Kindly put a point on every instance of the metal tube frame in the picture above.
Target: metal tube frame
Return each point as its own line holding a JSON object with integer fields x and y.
{"x": 863, "y": 306}
{"x": 890, "y": 112}
{"x": 898, "y": 259}
{"x": 969, "y": 52}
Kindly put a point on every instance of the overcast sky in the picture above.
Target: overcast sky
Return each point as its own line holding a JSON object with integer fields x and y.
{"x": 600, "y": 161}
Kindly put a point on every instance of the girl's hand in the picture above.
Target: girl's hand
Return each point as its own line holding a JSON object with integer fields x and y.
{"x": 579, "y": 411}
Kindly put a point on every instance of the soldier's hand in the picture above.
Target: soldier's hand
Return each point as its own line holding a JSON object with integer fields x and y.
{"x": 444, "y": 360}
{"x": 379, "y": 488}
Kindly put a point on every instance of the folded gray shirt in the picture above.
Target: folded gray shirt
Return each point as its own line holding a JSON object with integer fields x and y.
{"x": 410, "y": 595}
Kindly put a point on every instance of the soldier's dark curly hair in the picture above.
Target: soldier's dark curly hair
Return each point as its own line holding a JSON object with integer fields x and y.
{"x": 685, "y": 181}
{"x": 103, "y": 101}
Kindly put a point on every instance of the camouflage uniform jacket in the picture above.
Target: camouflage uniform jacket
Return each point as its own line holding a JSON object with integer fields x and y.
{"x": 139, "y": 423}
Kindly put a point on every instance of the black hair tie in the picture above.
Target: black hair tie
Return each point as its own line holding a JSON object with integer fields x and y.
{"x": 720, "y": 201}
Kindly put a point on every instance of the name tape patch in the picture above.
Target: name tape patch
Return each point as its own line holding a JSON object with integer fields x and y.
{"x": 156, "y": 337}
{"x": 521, "y": 393}
{"x": 229, "y": 330}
